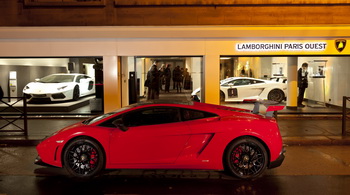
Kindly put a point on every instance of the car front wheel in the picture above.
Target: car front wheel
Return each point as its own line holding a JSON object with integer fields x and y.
{"x": 246, "y": 158}
{"x": 83, "y": 158}
{"x": 76, "y": 93}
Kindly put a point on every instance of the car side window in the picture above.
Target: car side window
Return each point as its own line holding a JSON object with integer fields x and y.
{"x": 240, "y": 82}
{"x": 151, "y": 116}
{"x": 256, "y": 81}
{"x": 79, "y": 78}
{"x": 188, "y": 114}
{"x": 233, "y": 83}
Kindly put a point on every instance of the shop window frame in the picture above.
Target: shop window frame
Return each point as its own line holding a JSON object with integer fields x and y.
{"x": 137, "y": 3}
{"x": 58, "y": 3}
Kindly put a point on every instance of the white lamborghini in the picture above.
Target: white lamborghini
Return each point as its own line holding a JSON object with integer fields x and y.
{"x": 60, "y": 87}
{"x": 238, "y": 89}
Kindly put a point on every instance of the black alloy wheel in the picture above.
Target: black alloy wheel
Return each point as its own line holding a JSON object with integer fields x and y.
{"x": 246, "y": 158}
{"x": 83, "y": 158}
{"x": 276, "y": 95}
{"x": 76, "y": 93}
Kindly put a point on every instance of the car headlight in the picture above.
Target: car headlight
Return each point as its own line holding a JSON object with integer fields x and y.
{"x": 61, "y": 88}
{"x": 26, "y": 87}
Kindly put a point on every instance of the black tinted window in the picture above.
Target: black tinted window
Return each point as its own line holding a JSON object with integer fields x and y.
{"x": 238, "y": 82}
{"x": 151, "y": 116}
{"x": 188, "y": 114}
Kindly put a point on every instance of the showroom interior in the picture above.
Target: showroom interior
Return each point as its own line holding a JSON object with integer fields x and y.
{"x": 16, "y": 74}
{"x": 327, "y": 76}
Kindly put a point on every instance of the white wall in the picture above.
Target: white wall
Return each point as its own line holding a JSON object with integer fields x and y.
{"x": 63, "y": 62}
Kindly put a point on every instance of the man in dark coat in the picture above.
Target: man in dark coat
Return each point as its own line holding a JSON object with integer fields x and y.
{"x": 167, "y": 76}
{"x": 177, "y": 77}
{"x": 302, "y": 83}
{"x": 153, "y": 85}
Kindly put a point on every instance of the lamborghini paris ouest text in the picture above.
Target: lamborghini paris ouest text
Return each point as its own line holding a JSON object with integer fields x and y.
{"x": 168, "y": 136}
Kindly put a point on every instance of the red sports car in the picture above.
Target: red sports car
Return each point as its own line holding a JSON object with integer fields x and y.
{"x": 167, "y": 136}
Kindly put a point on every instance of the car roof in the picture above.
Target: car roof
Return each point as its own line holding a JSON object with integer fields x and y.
{"x": 236, "y": 78}
{"x": 191, "y": 105}
{"x": 152, "y": 102}
{"x": 68, "y": 74}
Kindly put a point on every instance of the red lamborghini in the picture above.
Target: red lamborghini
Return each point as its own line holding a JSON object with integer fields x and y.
{"x": 168, "y": 136}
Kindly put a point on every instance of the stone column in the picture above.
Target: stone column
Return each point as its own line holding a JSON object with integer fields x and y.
{"x": 292, "y": 81}
{"x": 212, "y": 79}
{"x": 111, "y": 83}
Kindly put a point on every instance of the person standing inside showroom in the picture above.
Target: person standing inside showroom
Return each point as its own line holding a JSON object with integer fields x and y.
{"x": 152, "y": 82}
{"x": 302, "y": 83}
{"x": 167, "y": 75}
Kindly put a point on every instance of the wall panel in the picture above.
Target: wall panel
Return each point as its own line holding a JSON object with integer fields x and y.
{"x": 171, "y": 12}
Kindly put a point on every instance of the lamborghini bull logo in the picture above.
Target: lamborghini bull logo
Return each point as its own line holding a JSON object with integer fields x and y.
{"x": 340, "y": 44}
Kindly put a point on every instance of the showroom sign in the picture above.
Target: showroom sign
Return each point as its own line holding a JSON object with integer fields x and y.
{"x": 322, "y": 47}
{"x": 288, "y": 46}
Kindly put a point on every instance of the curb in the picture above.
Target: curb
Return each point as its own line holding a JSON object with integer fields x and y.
{"x": 316, "y": 140}
{"x": 19, "y": 143}
{"x": 21, "y": 140}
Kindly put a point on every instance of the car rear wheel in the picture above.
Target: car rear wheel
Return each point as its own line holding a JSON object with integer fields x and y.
{"x": 246, "y": 158}
{"x": 276, "y": 95}
{"x": 76, "y": 93}
{"x": 83, "y": 158}
{"x": 222, "y": 96}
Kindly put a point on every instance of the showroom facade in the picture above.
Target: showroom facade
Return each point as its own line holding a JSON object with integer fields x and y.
{"x": 286, "y": 46}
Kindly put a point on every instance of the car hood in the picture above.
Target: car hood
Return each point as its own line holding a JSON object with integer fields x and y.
{"x": 37, "y": 87}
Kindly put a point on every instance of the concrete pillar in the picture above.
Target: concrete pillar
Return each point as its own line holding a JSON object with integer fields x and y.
{"x": 196, "y": 70}
{"x": 292, "y": 81}
{"x": 212, "y": 79}
{"x": 111, "y": 83}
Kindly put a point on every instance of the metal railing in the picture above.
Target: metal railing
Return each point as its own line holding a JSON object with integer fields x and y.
{"x": 345, "y": 114}
{"x": 10, "y": 115}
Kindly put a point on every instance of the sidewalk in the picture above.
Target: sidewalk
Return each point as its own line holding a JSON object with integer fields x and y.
{"x": 294, "y": 130}
{"x": 304, "y": 130}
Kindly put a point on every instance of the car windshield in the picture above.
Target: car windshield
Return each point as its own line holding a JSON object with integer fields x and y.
{"x": 57, "y": 78}
{"x": 100, "y": 117}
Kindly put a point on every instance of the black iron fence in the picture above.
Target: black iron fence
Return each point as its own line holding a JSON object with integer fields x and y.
{"x": 345, "y": 114}
{"x": 13, "y": 115}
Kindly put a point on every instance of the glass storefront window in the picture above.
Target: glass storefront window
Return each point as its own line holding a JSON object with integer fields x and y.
{"x": 265, "y": 77}
{"x": 165, "y": 78}
{"x": 67, "y": 85}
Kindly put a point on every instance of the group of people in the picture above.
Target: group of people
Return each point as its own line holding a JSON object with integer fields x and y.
{"x": 157, "y": 77}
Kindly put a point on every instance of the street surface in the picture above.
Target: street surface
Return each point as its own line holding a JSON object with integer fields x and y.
{"x": 306, "y": 170}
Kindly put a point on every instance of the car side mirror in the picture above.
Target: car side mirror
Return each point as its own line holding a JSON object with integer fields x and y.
{"x": 230, "y": 84}
{"x": 119, "y": 124}
{"x": 37, "y": 80}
